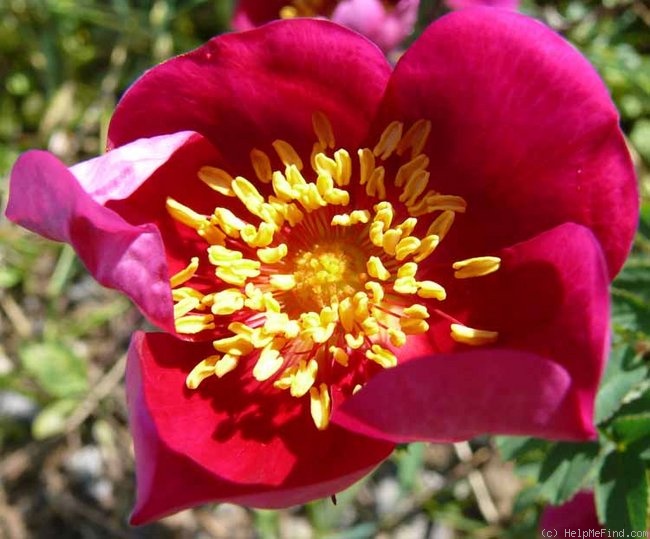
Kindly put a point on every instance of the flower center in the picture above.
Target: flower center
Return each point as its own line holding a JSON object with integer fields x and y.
{"x": 318, "y": 284}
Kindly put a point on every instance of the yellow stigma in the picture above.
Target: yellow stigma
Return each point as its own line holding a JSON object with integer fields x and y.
{"x": 312, "y": 286}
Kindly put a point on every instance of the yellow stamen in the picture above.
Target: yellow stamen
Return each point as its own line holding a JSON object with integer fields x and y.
{"x": 415, "y": 138}
{"x": 441, "y": 224}
{"x": 389, "y": 140}
{"x": 204, "y": 369}
{"x": 273, "y": 255}
{"x": 262, "y": 165}
{"x": 236, "y": 345}
{"x": 471, "y": 336}
{"x": 194, "y": 323}
{"x": 217, "y": 179}
{"x": 225, "y": 365}
{"x": 185, "y": 306}
{"x": 320, "y": 406}
{"x": 376, "y": 269}
{"x": 304, "y": 377}
{"x": 185, "y": 274}
{"x": 339, "y": 355}
{"x": 282, "y": 282}
{"x": 269, "y": 362}
{"x": 381, "y": 356}
{"x": 431, "y": 289}
{"x": 227, "y": 302}
{"x": 287, "y": 153}
{"x": 323, "y": 130}
{"x": 476, "y": 267}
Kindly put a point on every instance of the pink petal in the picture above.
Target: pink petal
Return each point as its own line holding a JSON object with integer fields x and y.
{"x": 549, "y": 302}
{"x": 230, "y": 440}
{"x": 48, "y": 199}
{"x": 462, "y": 4}
{"x": 245, "y": 90}
{"x": 387, "y": 27}
{"x": 523, "y": 128}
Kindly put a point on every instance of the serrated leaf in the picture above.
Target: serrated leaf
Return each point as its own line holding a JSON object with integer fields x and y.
{"x": 51, "y": 420}
{"x": 565, "y": 469}
{"x": 622, "y": 492}
{"x": 630, "y": 428}
{"x": 56, "y": 368}
{"x": 622, "y": 375}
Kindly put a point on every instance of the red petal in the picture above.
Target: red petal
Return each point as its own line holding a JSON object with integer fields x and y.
{"x": 231, "y": 440}
{"x": 523, "y": 128}
{"x": 549, "y": 302}
{"x": 245, "y": 90}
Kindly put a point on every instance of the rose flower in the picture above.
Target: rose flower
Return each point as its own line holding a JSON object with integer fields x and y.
{"x": 343, "y": 256}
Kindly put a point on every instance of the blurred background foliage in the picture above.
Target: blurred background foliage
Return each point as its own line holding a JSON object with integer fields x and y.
{"x": 65, "y": 453}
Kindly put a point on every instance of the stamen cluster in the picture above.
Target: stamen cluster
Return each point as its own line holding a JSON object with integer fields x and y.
{"x": 320, "y": 288}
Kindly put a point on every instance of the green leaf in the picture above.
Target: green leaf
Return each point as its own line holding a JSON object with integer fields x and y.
{"x": 565, "y": 469}
{"x": 56, "y": 368}
{"x": 623, "y": 374}
{"x": 409, "y": 466}
{"x": 51, "y": 420}
{"x": 630, "y": 428}
{"x": 519, "y": 447}
{"x": 622, "y": 492}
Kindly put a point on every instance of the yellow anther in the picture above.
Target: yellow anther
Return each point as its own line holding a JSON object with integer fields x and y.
{"x": 287, "y": 210}
{"x": 471, "y": 336}
{"x": 225, "y": 365}
{"x": 318, "y": 333}
{"x": 186, "y": 273}
{"x": 185, "y": 215}
{"x": 330, "y": 194}
{"x": 441, "y": 224}
{"x": 407, "y": 270}
{"x": 431, "y": 289}
{"x": 194, "y": 323}
{"x": 370, "y": 326}
{"x": 416, "y": 311}
{"x": 240, "y": 328}
{"x": 407, "y": 226}
{"x": 179, "y": 294}
{"x": 237, "y": 272}
{"x": 288, "y": 12}
{"x": 269, "y": 362}
{"x": 320, "y": 406}
{"x": 239, "y": 344}
{"x": 413, "y": 326}
{"x": 219, "y": 255}
{"x": 384, "y": 214}
{"x": 261, "y": 339}
{"x": 405, "y": 285}
{"x": 390, "y": 241}
{"x": 406, "y": 247}
{"x": 346, "y": 314}
{"x": 407, "y": 170}
{"x": 228, "y": 221}
{"x": 262, "y": 165}
{"x": 278, "y": 323}
{"x": 434, "y": 202}
{"x": 325, "y": 166}
{"x": 339, "y": 355}
{"x": 271, "y": 255}
{"x": 352, "y": 218}
{"x": 343, "y": 167}
{"x": 376, "y": 269}
{"x": 282, "y": 281}
{"x": 376, "y": 290}
{"x": 282, "y": 188}
{"x": 285, "y": 379}
{"x": 185, "y": 306}
{"x": 415, "y": 186}
{"x": 389, "y": 140}
{"x": 217, "y": 179}
{"x": 376, "y": 186}
{"x": 476, "y": 267}
{"x": 227, "y": 302}
{"x": 415, "y": 138}
{"x": 287, "y": 153}
{"x": 204, "y": 369}
{"x": 354, "y": 342}
{"x": 247, "y": 193}
{"x": 304, "y": 377}
{"x": 360, "y": 303}
{"x": 381, "y": 356}
{"x": 366, "y": 165}
{"x": 396, "y": 337}
{"x": 376, "y": 233}
{"x": 309, "y": 197}
{"x": 356, "y": 389}
{"x": 428, "y": 245}
{"x": 323, "y": 129}
{"x": 258, "y": 237}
